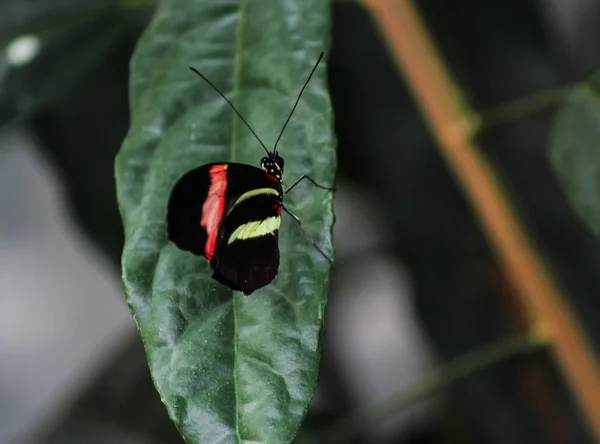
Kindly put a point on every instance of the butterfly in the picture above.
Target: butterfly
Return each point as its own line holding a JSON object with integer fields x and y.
{"x": 230, "y": 213}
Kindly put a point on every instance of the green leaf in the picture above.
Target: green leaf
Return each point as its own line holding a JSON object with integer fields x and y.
{"x": 229, "y": 368}
{"x": 574, "y": 148}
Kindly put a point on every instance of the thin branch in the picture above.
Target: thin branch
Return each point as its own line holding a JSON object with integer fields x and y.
{"x": 521, "y": 107}
{"x": 432, "y": 383}
{"x": 451, "y": 121}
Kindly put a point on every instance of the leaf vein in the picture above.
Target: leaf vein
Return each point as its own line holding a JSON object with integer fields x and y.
{"x": 234, "y": 126}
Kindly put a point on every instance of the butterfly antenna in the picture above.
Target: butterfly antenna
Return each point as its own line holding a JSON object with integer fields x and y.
{"x": 296, "y": 104}
{"x": 232, "y": 107}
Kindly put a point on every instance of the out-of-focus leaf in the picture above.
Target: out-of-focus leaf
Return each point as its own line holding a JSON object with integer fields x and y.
{"x": 229, "y": 368}
{"x": 61, "y": 55}
{"x": 575, "y": 149}
{"x": 29, "y": 16}
{"x": 81, "y": 134}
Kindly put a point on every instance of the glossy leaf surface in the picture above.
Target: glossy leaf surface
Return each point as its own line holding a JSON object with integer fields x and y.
{"x": 229, "y": 368}
{"x": 575, "y": 148}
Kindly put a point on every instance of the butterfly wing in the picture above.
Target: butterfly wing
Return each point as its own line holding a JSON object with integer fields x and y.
{"x": 211, "y": 202}
{"x": 247, "y": 254}
{"x": 184, "y": 211}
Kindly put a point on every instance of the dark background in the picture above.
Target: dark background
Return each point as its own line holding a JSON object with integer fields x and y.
{"x": 415, "y": 281}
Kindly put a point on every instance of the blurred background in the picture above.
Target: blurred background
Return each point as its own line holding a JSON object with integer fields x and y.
{"x": 415, "y": 283}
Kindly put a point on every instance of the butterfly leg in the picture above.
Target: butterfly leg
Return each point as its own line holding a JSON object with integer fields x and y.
{"x": 308, "y": 236}
{"x": 309, "y": 178}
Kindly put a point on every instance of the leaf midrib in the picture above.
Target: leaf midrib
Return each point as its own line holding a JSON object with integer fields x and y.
{"x": 234, "y": 127}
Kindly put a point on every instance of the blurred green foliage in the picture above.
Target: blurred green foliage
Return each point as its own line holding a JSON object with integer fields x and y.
{"x": 574, "y": 150}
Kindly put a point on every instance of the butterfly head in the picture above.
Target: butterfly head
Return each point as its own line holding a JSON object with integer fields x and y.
{"x": 273, "y": 165}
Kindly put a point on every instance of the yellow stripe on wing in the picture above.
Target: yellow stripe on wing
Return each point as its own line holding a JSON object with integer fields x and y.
{"x": 253, "y": 193}
{"x": 255, "y": 228}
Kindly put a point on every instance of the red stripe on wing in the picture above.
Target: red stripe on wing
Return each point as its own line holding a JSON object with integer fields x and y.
{"x": 213, "y": 207}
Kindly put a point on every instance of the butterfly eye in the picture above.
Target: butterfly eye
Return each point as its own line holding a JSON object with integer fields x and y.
{"x": 279, "y": 162}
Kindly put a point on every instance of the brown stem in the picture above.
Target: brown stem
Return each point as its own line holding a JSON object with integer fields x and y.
{"x": 451, "y": 122}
